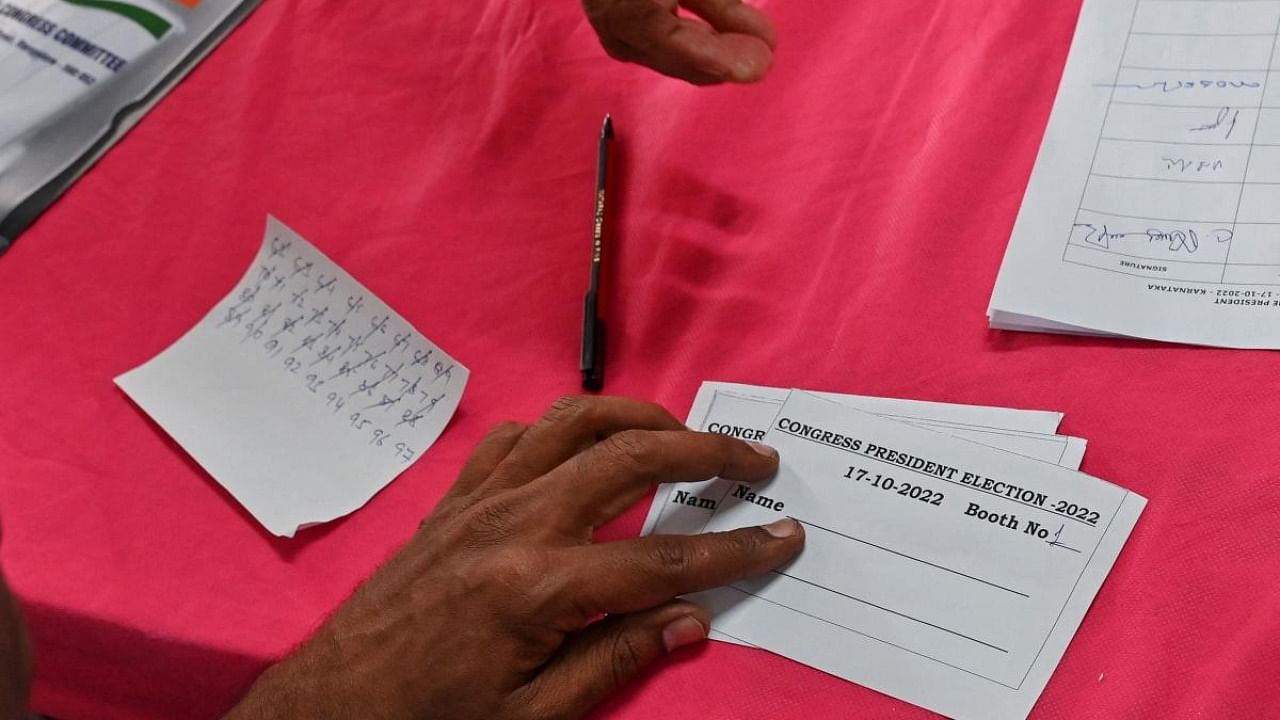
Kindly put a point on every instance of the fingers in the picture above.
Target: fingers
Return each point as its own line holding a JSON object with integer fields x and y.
{"x": 645, "y": 32}
{"x": 571, "y": 424}
{"x": 632, "y": 575}
{"x": 608, "y": 654}
{"x": 492, "y": 450}
{"x": 601, "y": 482}
{"x": 495, "y": 446}
{"x": 734, "y": 16}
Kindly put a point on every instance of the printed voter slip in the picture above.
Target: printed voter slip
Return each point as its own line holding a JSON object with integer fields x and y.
{"x": 936, "y": 570}
{"x": 746, "y": 411}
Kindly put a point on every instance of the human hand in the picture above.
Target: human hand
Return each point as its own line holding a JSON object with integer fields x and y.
{"x": 494, "y": 609}
{"x": 735, "y": 43}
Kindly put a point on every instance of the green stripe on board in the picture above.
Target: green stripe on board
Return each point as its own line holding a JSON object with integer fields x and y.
{"x": 149, "y": 21}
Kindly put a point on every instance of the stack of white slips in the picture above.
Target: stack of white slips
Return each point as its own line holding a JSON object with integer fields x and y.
{"x": 951, "y": 550}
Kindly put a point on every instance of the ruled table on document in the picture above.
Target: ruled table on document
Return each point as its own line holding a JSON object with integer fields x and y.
{"x": 1185, "y": 178}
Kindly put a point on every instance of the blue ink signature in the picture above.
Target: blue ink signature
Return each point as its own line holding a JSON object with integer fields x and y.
{"x": 1226, "y": 116}
{"x": 1175, "y": 240}
{"x": 1168, "y": 86}
{"x": 1183, "y": 165}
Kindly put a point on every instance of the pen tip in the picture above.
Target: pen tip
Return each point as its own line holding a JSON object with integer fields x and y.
{"x": 607, "y": 130}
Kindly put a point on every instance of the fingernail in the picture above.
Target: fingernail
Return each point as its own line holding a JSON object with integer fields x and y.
{"x": 783, "y": 528}
{"x": 763, "y": 449}
{"x": 684, "y": 631}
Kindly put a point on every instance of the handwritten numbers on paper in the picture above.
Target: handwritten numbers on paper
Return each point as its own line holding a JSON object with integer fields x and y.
{"x": 279, "y": 247}
{"x": 335, "y": 402}
{"x": 363, "y": 366}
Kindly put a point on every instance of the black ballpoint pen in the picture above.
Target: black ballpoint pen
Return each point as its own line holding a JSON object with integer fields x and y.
{"x": 592, "y": 364}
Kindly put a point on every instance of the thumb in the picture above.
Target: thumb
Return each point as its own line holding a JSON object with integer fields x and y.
{"x": 602, "y": 658}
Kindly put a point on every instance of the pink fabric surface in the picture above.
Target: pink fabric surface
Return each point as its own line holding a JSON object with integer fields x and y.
{"x": 837, "y": 227}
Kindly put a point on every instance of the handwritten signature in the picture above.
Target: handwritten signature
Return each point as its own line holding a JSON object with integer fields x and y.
{"x": 1175, "y": 240}
{"x": 1226, "y": 117}
{"x": 1184, "y": 165}
{"x": 1168, "y": 86}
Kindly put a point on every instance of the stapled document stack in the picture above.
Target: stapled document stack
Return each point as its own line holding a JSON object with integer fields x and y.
{"x": 951, "y": 550}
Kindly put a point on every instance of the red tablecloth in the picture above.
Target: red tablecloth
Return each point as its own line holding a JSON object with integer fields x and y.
{"x": 838, "y": 227}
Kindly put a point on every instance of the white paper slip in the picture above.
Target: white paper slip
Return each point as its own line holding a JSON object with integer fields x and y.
{"x": 746, "y": 410}
{"x": 1154, "y": 207}
{"x": 986, "y": 416}
{"x": 300, "y": 392}
{"x": 936, "y": 570}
